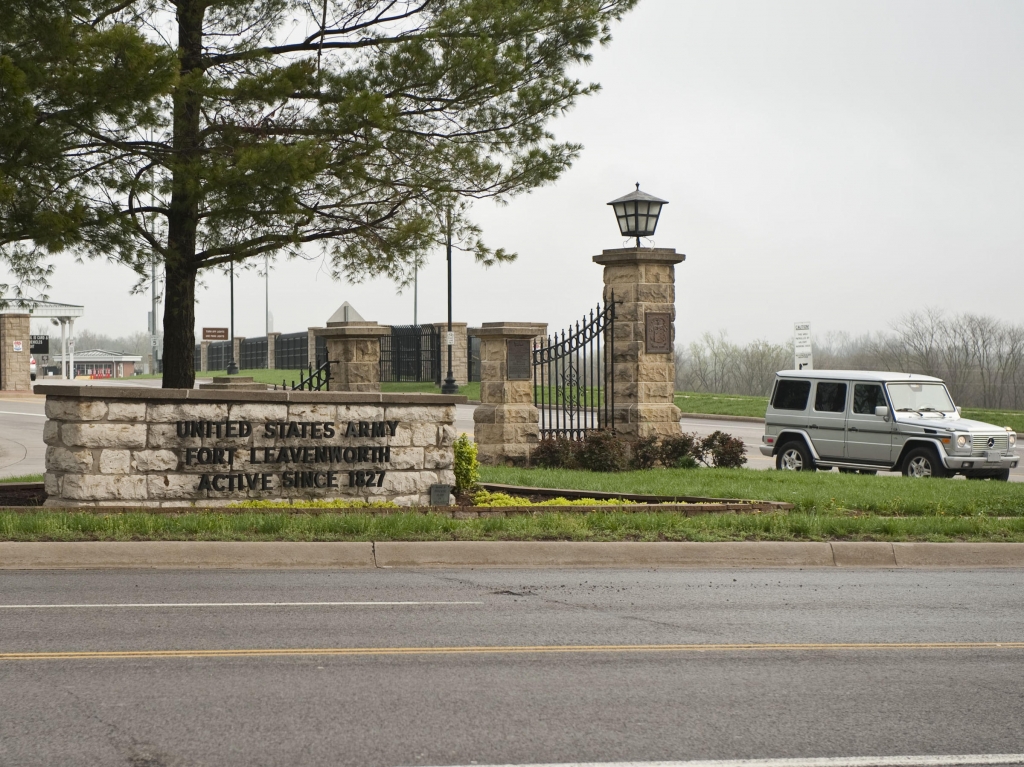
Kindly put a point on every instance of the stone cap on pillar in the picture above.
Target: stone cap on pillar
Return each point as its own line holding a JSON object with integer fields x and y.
{"x": 511, "y": 330}
{"x": 353, "y": 330}
{"x": 616, "y": 256}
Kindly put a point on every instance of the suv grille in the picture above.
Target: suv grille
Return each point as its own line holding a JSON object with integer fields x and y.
{"x": 979, "y": 443}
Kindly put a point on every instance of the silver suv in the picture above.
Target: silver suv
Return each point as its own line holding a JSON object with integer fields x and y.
{"x": 865, "y": 422}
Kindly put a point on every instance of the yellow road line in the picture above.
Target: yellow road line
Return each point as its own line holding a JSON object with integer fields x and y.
{"x": 511, "y": 649}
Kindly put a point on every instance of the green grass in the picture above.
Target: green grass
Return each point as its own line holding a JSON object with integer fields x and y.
{"x": 1012, "y": 418}
{"x": 721, "y": 404}
{"x": 595, "y": 526}
{"x": 820, "y": 492}
{"x": 23, "y": 478}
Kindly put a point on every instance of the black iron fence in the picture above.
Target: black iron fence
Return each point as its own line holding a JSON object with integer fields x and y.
{"x": 252, "y": 353}
{"x": 473, "y": 354}
{"x": 218, "y": 355}
{"x": 291, "y": 351}
{"x": 573, "y": 382}
{"x": 411, "y": 353}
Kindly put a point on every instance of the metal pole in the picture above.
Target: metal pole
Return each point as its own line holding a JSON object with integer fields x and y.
{"x": 266, "y": 269}
{"x": 449, "y": 386}
{"x": 232, "y": 366}
{"x": 415, "y": 294}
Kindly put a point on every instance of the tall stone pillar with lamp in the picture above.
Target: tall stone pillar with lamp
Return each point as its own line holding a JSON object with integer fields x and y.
{"x": 641, "y": 281}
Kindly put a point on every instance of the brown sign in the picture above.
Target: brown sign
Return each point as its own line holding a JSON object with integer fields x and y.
{"x": 519, "y": 368}
{"x": 215, "y": 334}
{"x": 658, "y": 336}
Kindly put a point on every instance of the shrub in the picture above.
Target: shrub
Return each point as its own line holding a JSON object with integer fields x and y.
{"x": 555, "y": 453}
{"x": 466, "y": 466}
{"x": 723, "y": 451}
{"x": 603, "y": 451}
{"x": 646, "y": 452}
{"x": 679, "y": 452}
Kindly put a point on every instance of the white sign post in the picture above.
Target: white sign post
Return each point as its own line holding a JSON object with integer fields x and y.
{"x": 802, "y": 346}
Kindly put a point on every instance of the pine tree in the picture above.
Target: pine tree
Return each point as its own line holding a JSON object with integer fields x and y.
{"x": 208, "y": 132}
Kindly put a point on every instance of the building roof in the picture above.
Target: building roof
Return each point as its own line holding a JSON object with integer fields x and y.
{"x": 855, "y": 375}
{"x": 99, "y": 355}
{"x": 42, "y": 308}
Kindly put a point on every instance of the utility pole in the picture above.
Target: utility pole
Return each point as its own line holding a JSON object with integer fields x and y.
{"x": 449, "y": 386}
{"x": 232, "y": 364}
{"x": 266, "y": 269}
{"x": 415, "y": 294}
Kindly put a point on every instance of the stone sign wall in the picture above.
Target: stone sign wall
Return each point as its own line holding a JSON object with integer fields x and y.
{"x": 110, "y": 446}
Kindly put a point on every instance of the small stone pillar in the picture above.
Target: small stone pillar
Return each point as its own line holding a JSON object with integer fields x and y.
{"x": 15, "y": 351}
{"x": 272, "y": 351}
{"x": 204, "y": 356}
{"x": 506, "y": 422}
{"x": 353, "y": 349}
{"x": 460, "y": 352}
{"x": 643, "y": 283}
{"x": 311, "y": 334}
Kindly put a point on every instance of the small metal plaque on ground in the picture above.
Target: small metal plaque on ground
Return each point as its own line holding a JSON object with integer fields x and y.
{"x": 658, "y": 332}
{"x": 519, "y": 368}
{"x": 440, "y": 495}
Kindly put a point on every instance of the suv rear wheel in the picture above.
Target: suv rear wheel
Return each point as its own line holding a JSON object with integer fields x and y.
{"x": 794, "y": 456}
{"x": 923, "y": 462}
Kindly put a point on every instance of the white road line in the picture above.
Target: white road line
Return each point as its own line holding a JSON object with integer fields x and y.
{"x": 15, "y": 412}
{"x": 234, "y": 604}
{"x": 968, "y": 760}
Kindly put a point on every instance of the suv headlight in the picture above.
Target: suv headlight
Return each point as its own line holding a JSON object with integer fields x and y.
{"x": 963, "y": 440}
{"x": 1013, "y": 437}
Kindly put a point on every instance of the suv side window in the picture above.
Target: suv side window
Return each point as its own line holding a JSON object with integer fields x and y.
{"x": 830, "y": 397}
{"x": 866, "y": 397}
{"x": 791, "y": 395}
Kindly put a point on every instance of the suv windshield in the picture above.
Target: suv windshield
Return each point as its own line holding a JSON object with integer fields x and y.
{"x": 920, "y": 397}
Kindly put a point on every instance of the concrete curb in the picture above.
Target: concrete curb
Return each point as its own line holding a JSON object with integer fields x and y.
{"x": 508, "y": 554}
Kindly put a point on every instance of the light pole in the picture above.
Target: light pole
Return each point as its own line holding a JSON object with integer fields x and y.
{"x": 637, "y": 214}
{"x": 449, "y": 386}
{"x": 232, "y": 367}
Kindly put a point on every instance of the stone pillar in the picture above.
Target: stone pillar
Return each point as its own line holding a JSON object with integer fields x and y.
{"x": 506, "y": 422}
{"x": 354, "y": 351}
{"x": 15, "y": 374}
{"x": 460, "y": 352}
{"x": 204, "y": 356}
{"x": 643, "y": 282}
{"x": 311, "y": 334}
{"x": 236, "y": 350}
{"x": 272, "y": 351}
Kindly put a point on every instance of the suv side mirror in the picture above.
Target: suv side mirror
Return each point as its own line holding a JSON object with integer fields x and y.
{"x": 882, "y": 411}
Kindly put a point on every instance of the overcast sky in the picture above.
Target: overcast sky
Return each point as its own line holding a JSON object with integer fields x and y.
{"x": 842, "y": 163}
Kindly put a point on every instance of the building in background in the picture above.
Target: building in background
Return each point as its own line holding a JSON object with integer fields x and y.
{"x": 99, "y": 363}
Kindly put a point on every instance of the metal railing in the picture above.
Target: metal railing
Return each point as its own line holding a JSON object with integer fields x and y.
{"x": 411, "y": 353}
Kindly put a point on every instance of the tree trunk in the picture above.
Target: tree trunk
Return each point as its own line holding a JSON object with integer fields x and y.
{"x": 183, "y": 214}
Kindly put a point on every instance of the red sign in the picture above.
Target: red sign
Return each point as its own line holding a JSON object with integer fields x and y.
{"x": 215, "y": 334}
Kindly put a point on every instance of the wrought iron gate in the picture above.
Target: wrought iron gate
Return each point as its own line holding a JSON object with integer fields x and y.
{"x": 411, "y": 353}
{"x": 573, "y": 384}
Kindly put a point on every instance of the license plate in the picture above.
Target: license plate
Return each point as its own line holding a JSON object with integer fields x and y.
{"x": 992, "y": 456}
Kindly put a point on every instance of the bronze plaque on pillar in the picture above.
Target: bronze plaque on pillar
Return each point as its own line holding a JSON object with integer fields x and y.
{"x": 658, "y": 332}
{"x": 518, "y": 357}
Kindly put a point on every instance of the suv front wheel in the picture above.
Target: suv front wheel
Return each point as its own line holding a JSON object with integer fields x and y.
{"x": 923, "y": 462}
{"x": 794, "y": 456}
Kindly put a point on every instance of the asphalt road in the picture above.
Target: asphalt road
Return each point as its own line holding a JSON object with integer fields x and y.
{"x": 246, "y": 700}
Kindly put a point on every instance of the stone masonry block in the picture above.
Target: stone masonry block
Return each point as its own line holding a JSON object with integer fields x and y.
{"x": 437, "y": 458}
{"x": 126, "y": 411}
{"x": 52, "y": 484}
{"x": 656, "y": 372}
{"x": 94, "y": 487}
{"x": 348, "y": 413}
{"x": 655, "y": 293}
{"x": 656, "y": 392}
{"x": 187, "y": 411}
{"x": 257, "y": 411}
{"x": 75, "y": 410}
{"x": 663, "y": 273}
{"x": 51, "y": 432}
{"x": 119, "y": 435}
{"x": 406, "y": 458}
{"x": 424, "y": 434}
{"x": 61, "y": 459}
{"x": 310, "y": 412}
{"x": 408, "y": 414}
{"x": 115, "y": 461}
{"x": 446, "y": 435}
{"x": 174, "y": 486}
{"x": 155, "y": 460}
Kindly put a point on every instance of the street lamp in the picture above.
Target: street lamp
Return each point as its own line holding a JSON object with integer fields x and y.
{"x": 637, "y": 213}
{"x": 232, "y": 366}
{"x": 449, "y": 386}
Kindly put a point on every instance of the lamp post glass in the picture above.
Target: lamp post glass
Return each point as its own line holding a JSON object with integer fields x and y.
{"x": 637, "y": 214}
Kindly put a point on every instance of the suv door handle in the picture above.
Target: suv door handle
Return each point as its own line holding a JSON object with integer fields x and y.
{"x": 813, "y": 426}
{"x": 853, "y": 428}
